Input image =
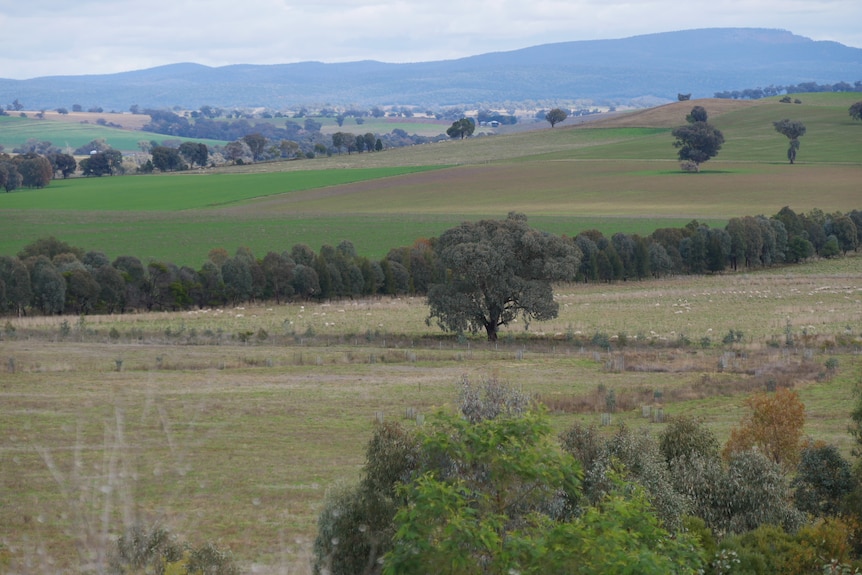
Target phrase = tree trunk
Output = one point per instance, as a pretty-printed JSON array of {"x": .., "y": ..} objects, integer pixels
[{"x": 491, "y": 330}]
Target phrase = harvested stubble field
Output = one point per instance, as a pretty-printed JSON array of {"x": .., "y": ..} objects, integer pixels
[{"x": 229, "y": 425}]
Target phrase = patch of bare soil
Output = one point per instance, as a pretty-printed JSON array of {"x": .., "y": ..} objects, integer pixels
[
  {"x": 128, "y": 121},
  {"x": 731, "y": 373},
  {"x": 668, "y": 116}
]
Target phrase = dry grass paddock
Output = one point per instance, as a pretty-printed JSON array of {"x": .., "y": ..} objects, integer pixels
[{"x": 229, "y": 425}]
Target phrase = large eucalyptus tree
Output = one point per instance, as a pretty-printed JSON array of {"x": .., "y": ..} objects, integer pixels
[{"x": 496, "y": 271}]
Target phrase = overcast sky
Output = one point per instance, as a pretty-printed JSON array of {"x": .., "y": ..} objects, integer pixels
[{"x": 71, "y": 37}]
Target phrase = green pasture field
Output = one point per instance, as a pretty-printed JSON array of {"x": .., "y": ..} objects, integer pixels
[
  {"x": 173, "y": 419},
  {"x": 184, "y": 191},
  {"x": 14, "y": 131},
  {"x": 229, "y": 425},
  {"x": 621, "y": 177},
  {"x": 185, "y": 238}
]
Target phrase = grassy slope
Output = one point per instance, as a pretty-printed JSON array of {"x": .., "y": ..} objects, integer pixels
[
  {"x": 177, "y": 192},
  {"x": 615, "y": 174},
  {"x": 237, "y": 443},
  {"x": 14, "y": 131}
]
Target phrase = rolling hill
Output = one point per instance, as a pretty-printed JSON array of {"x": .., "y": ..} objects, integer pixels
[
  {"x": 614, "y": 174},
  {"x": 650, "y": 68}
]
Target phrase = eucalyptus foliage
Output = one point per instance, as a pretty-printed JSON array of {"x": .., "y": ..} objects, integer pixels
[
  {"x": 748, "y": 492},
  {"x": 632, "y": 455},
  {"x": 498, "y": 508},
  {"x": 698, "y": 140},
  {"x": 823, "y": 479},
  {"x": 498, "y": 271},
  {"x": 686, "y": 437}
]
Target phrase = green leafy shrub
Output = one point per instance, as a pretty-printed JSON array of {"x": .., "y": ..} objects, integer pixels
[{"x": 823, "y": 479}]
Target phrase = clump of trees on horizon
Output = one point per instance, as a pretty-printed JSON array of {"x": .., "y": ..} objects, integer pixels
[{"x": 801, "y": 88}]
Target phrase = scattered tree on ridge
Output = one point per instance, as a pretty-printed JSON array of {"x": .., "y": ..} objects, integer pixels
[
  {"x": 793, "y": 130},
  {"x": 556, "y": 116},
  {"x": 698, "y": 141},
  {"x": 461, "y": 128},
  {"x": 697, "y": 114},
  {"x": 498, "y": 270}
]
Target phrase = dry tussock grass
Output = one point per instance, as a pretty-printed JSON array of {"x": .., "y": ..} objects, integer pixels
[
  {"x": 669, "y": 115},
  {"x": 127, "y": 121},
  {"x": 259, "y": 428},
  {"x": 721, "y": 374}
]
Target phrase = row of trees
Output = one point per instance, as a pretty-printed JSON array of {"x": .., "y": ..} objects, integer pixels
[
  {"x": 804, "y": 87},
  {"x": 489, "y": 491},
  {"x": 295, "y": 139},
  {"x": 30, "y": 170},
  {"x": 514, "y": 262}
]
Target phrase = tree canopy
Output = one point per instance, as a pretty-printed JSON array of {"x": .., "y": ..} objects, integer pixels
[
  {"x": 697, "y": 114},
  {"x": 774, "y": 426},
  {"x": 167, "y": 159},
  {"x": 461, "y": 128},
  {"x": 556, "y": 116},
  {"x": 856, "y": 111},
  {"x": 792, "y": 130},
  {"x": 697, "y": 141},
  {"x": 490, "y": 508},
  {"x": 496, "y": 271}
]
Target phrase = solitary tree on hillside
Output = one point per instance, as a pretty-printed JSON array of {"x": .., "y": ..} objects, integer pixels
[
  {"x": 498, "y": 270},
  {"x": 556, "y": 116},
  {"x": 461, "y": 128},
  {"x": 697, "y": 114},
  {"x": 856, "y": 111},
  {"x": 698, "y": 141},
  {"x": 793, "y": 130}
]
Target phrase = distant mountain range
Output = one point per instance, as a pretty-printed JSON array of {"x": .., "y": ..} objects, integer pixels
[{"x": 650, "y": 68}]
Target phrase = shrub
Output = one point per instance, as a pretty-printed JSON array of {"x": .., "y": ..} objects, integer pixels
[
  {"x": 823, "y": 479},
  {"x": 774, "y": 425},
  {"x": 153, "y": 549},
  {"x": 769, "y": 549},
  {"x": 749, "y": 492},
  {"x": 634, "y": 455},
  {"x": 687, "y": 436}
]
